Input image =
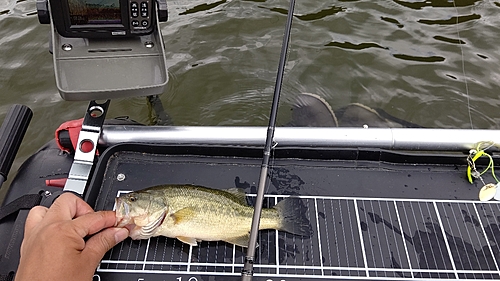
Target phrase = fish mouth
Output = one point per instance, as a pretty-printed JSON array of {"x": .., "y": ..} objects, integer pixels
[
  {"x": 123, "y": 219},
  {"x": 122, "y": 213}
]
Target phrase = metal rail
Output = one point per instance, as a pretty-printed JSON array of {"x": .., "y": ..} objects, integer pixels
[{"x": 385, "y": 138}]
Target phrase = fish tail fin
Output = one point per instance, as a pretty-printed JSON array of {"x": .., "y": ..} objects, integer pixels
[{"x": 292, "y": 216}]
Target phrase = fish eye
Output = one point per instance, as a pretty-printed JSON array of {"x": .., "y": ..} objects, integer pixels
[{"x": 132, "y": 198}]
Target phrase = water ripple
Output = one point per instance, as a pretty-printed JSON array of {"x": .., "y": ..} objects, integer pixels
[
  {"x": 410, "y": 58},
  {"x": 6, "y": 6}
]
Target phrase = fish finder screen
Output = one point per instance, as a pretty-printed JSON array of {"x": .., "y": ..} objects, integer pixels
[{"x": 84, "y": 12}]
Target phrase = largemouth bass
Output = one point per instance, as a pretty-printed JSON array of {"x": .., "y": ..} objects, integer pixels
[{"x": 194, "y": 213}]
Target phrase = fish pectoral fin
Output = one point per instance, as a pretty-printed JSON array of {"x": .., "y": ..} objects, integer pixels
[
  {"x": 182, "y": 215},
  {"x": 188, "y": 240},
  {"x": 241, "y": 241}
]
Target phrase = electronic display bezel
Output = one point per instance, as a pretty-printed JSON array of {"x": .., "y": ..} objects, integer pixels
[{"x": 61, "y": 15}]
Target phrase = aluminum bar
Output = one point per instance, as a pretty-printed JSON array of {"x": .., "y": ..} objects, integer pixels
[{"x": 385, "y": 138}]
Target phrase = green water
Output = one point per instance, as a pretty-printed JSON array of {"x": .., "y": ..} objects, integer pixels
[{"x": 434, "y": 63}]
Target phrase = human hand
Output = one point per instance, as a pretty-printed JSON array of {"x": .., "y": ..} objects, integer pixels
[{"x": 67, "y": 241}]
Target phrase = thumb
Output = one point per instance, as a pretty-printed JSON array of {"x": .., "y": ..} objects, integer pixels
[
  {"x": 97, "y": 245},
  {"x": 35, "y": 216}
]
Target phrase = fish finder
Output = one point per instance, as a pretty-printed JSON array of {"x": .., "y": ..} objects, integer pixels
[
  {"x": 106, "y": 49},
  {"x": 103, "y": 18}
]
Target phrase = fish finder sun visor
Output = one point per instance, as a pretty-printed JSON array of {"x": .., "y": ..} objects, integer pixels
[{"x": 105, "y": 49}]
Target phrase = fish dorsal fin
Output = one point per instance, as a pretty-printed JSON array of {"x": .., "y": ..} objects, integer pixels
[
  {"x": 188, "y": 240},
  {"x": 240, "y": 195},
  {"x": 183, "y": 215}
]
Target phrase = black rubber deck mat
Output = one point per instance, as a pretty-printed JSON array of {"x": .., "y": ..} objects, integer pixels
[{"x": 376, "y": 215}]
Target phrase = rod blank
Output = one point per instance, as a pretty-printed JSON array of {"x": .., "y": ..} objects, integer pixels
[{"x": 247, "y": 273}]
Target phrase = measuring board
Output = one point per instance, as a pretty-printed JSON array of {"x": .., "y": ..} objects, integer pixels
[{"x": 353, "y": 239}]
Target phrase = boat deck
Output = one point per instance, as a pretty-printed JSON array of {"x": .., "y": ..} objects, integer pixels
[{"x": 374, "y": 216}]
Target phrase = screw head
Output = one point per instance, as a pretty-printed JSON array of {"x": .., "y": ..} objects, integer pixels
[
  {"x": 67, "y": 47},
  {"x": 120, "y": 177}
]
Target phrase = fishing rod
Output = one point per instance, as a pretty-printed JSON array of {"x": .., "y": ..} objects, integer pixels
[{"x": 247, "y": 273}]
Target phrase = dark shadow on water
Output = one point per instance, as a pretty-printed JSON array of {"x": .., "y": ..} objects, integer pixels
[
  {"x": 394, "y": 21},
  {"x": 313, "y": 16},
  {"x": 279, "y": 10},
  {"x": 321, "y": 14},
  {"x": 362, "y": 46},
  {"x": 202, "y": 7},
  {"x": 420, "y": 59},
  {"x": 351, "y": 46},
  {"x": 448, "y": 40},
  {"x": 435, "y": 3},
  {"x": 452, "y": 20}
]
